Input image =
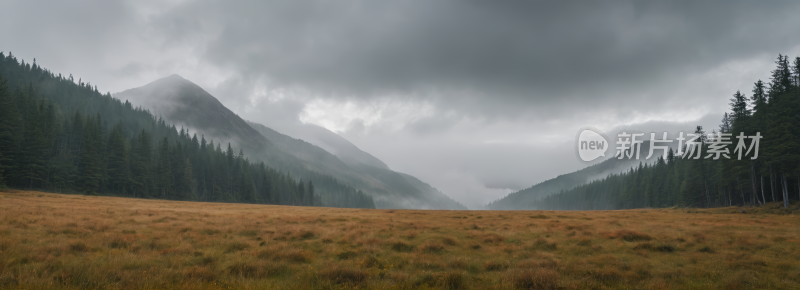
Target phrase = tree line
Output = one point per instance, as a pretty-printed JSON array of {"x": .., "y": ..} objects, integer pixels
[
  {"x": 47, "y": 142},
  {"x": 772, "y": 110}
]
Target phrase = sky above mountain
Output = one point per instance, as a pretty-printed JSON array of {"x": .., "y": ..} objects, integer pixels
[{"x": 477, "y": 98}]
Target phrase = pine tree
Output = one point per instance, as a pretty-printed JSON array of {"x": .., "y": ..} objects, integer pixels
[
  {"x": 90, "y": 174},
  {"x": 164, "y": 169},
  {"x": 310, "y": 194},
  {"x": 8, "y": 124},
  {"x": 117, "y": 168},
  {"x": 141, "y": 165}
]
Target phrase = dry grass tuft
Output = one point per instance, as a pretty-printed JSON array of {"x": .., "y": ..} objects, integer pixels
[
  {"x": 370, "y": 262},
  {"x": 453, "y": 280},
  {"x": 346, "y": 255},
  {"x": 494, "y": 266},
  {"x": 643, "y": 246},
  {"x": 203, "y": 274},
  {"x": 431, "y": 247},
  {"x": 628, "y": 235},
  {"x": 248, "y": 233},
  {"x": 535, "y": 279},
  {"x": 450, "y": 241},
  {"x": 78, "y": 247},
  {"x": 493, "y": 238},
  {"x": 706, "y": 249},
  {"x": 341, "y": 275},
  {"x": 235, "y": 247},
  {"x": 295, "y": 256},
  {"x": 666, "y": 248},
  {"x": 401, "y": 246},
  {"x": 546, "y": 245},
  {"x": 305, "y": 235}
]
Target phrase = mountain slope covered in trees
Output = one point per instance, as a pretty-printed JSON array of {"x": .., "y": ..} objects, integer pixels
[
  {"x": 62, "y": 135},
  {"x": 524, "y": 199},
  {"x": 772, "y": 111},
  {"x": 182, "y": 102}
]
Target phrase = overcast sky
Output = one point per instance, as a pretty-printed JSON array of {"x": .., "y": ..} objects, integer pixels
[{"x": 477, "y": 98}]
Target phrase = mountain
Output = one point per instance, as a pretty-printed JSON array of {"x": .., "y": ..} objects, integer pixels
[
  {"x": 417, "y": 194},
  {"x": 186, "y": 104},
  {"x": 335, "y": 144},
  {"x": 525, "y": 199}
]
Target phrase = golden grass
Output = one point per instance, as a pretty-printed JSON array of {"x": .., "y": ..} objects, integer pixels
[{"x": 86, "y": 242}]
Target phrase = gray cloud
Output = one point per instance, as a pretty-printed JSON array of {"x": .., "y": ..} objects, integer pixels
[{"x": 520, "y": 54}]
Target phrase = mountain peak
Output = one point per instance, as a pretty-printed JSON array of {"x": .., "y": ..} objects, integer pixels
[
  {"x": 175, "y": 76},
  {"x": 171, "y": 80}
]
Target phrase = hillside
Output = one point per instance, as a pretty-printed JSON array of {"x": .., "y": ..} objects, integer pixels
[
  {"x": 333, "y": 143},
  {"x": 525, "y": 199},
  {"x": 416, "y": 194},
  {"x": 64, "y": 136},
  {"x": 184, "y": 103}
]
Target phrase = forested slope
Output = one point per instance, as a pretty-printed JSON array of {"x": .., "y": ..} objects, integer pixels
[
  {"x": 772, "y": 111},
  {"x": 63, "y": 135}
]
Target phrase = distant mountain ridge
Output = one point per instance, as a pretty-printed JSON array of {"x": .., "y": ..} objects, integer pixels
[
  {"x": 525, "y": 199},
  {"x": 428, "y": 196},
  {"x": 184, "y": 103},
  {"x": 336, "y": 145}
]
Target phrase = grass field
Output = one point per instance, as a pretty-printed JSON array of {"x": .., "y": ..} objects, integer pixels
[{"x": 84, "y": 242}]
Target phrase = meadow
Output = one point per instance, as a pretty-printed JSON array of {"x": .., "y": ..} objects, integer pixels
[{"x": 61, "y": 241}]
